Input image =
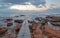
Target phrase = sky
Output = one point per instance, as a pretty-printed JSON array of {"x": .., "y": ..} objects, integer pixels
[
  {"x": 41, "y": 6},
  {"x": 29, "y": 4}
]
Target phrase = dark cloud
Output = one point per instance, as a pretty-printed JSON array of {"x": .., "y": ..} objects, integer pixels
[
  {"x": 33, "y": 2},
  {"x": 15, "y": 1},
  {"x": 38, "y": 2}
]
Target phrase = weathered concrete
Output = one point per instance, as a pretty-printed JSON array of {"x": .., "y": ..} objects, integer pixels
[{"x": 24, "y": 31}]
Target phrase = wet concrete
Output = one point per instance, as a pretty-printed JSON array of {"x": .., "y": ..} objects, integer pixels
[{"x": 24, "y": 32}]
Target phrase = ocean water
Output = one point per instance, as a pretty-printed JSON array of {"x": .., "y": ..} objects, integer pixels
[
  {"x": 5, "y": 13},
  {"x": 12, "y": 13}
]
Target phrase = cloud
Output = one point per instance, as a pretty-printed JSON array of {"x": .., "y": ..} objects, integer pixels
[
  {"x": 33, "y": 2},
  {"x": 5, "y": 5},
  {"x": 27, "y": 7},
  {"x": 9, "y": 12},
  {"x": 32, "y": 7},
  {"x": 38, "y": 2}
]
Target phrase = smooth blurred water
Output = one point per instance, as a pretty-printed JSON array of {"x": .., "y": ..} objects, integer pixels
[
  {"x": 29, "y": 14},
  {"x": 12, "y": 13}
]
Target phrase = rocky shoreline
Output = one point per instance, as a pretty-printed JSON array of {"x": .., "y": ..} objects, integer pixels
[{"x": 39, "y": 27}]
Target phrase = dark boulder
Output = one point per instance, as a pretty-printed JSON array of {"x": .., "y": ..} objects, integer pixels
[{"x": 18, "y": 21}]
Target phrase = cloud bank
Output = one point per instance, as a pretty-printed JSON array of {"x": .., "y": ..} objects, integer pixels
[{"x": 27, "y": 8}]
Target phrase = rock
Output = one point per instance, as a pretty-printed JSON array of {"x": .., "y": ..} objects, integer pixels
[
  {"x": 38, "y": 18},
  {"x": 3, "y": 30},
  {"x": 9, "y": 23},
  {"x": 55, "y": 23},
  {"x": 30, "y": 21},
  {"x": 9, "y": 36},
  {"x": 51, "y": 32},
  {"x": 22, "y": 15},
  {"x": 17, "y": 28},
  {"x": 34, "y": 26},
  {"x": 30, "y": 27},
  {"x": 37, "y": 33},
  {"x": 18, "y": 21},
  {"x": 16, "y": 16},
  {"x": 8, "y": 19},
  {"x": 53, "y": 18}
]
